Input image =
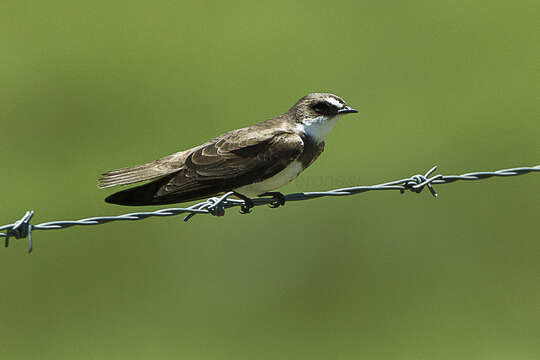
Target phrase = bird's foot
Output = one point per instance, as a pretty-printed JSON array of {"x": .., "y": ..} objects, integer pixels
[
  {"x": 245, "y": 208},
  {"x": 278, "y": 199}
]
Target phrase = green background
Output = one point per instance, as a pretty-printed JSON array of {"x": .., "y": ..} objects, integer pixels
[{"x": 91, "y": 86}]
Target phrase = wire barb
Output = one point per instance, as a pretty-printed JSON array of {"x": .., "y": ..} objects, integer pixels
[
  {"x": 417, "y": 182},
  {"x": 20, "y": 230},
  {"x": 217, "y": 206}
]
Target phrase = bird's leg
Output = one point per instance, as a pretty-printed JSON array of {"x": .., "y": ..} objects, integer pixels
[
  {"x": 248, "y": 203},
  {"x": 278, "y": 199}
]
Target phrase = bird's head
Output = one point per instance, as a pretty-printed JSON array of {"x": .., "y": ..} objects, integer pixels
[{"x": 316, "y": 113}]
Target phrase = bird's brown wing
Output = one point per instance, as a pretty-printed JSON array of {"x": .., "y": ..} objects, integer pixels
[
  {"x": 226, "y": 163},
  {"x": 153, "y": 170},
  {"x": 229, "y": 164}
]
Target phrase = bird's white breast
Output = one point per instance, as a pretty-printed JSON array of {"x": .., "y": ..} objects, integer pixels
[{"x": 272, "y": 183}]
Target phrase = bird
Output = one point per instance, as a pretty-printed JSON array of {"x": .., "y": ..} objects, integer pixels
[{"x": 251, "y": 161}]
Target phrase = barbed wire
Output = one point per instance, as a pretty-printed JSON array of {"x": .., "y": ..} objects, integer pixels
[{"x": 217, "y": 205}]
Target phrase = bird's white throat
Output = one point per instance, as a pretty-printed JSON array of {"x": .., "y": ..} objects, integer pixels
[{"x": 319, "y": 127}]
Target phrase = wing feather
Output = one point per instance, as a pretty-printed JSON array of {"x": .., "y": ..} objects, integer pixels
[
  {"x": 224, "y": 165},
  {"x": 149, "y": 171}
]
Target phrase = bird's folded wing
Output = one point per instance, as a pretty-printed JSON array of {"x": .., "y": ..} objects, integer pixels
[
  {"x": 231, "y": 162},
  {"x": 149, "y": 171}
]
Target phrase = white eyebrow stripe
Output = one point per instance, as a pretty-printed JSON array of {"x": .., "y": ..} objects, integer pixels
[{"x": 334, "y": 102}]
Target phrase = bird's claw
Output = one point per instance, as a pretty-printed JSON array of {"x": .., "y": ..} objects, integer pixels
[
  {"x": 278, "y": 199},
  {"x": 246, "y": 207}
]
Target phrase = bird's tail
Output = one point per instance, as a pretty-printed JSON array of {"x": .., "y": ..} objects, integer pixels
[
  {"x": 137, "y": 196},
  {"x": 149, "y": 194}
]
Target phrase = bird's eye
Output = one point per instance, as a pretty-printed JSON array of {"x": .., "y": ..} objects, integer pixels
[{"x": 322, "y": 107}]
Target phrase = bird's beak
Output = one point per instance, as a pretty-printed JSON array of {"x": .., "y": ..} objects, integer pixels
[{"x": 347, "y": 110}]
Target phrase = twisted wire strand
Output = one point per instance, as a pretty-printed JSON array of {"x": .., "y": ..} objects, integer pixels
[{"x": 216, "y": 206}]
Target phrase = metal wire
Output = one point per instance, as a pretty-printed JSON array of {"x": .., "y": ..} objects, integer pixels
[{"x": 217, "y": 205}]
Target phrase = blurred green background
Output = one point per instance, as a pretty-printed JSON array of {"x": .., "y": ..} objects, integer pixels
[{"x": 92, "y": 86}]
